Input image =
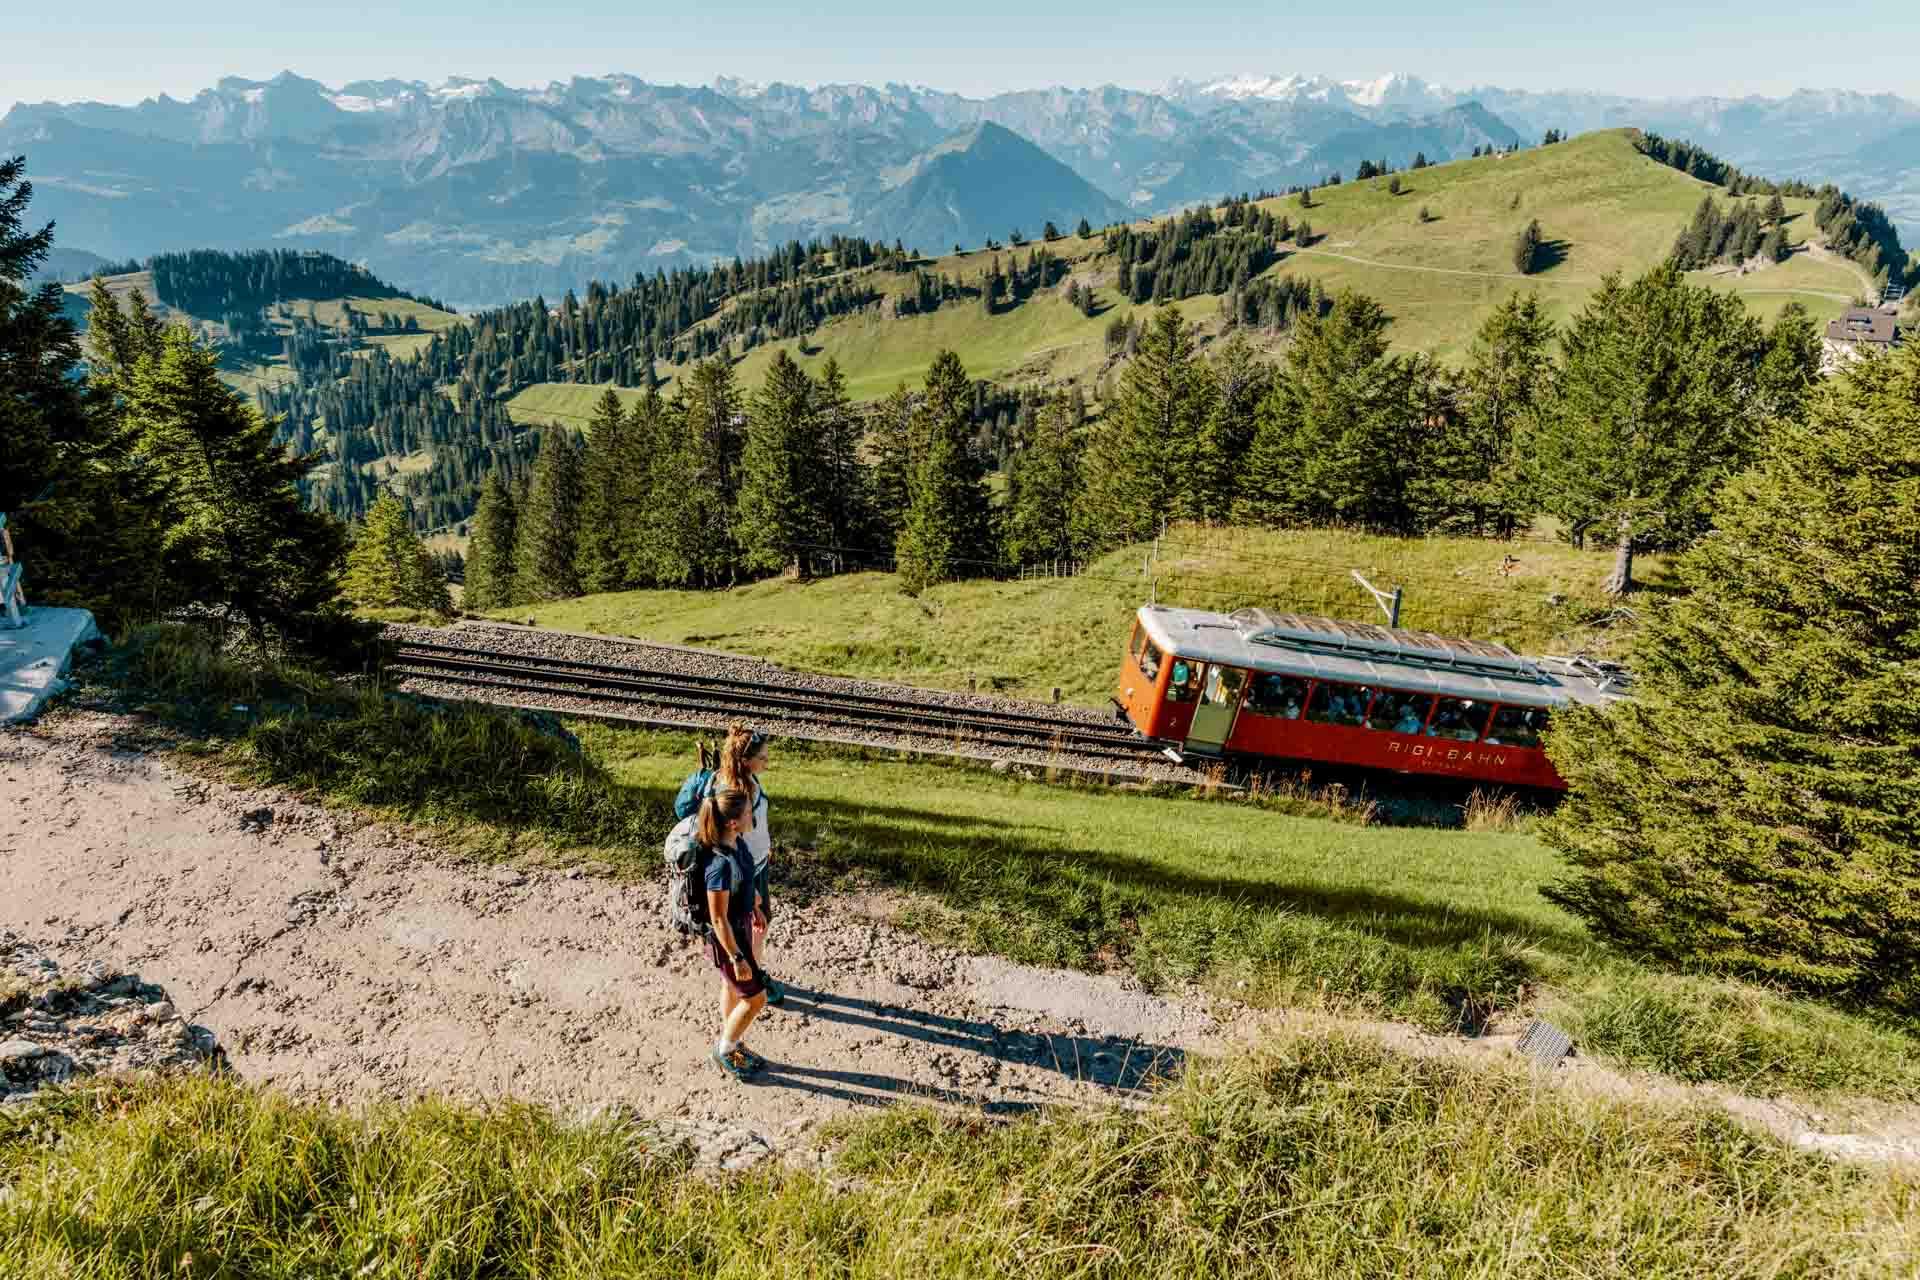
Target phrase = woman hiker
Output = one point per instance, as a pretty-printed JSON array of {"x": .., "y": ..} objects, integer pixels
[
  {"x": 743, "y": 757},
  {"x": 732, "y": 905}
]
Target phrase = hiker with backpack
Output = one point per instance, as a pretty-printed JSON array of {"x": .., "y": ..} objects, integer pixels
[
  {"x": 714, "y": 895},
  {"x": 737, "y": 764}
]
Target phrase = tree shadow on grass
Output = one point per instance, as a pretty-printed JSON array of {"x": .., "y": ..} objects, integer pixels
[
  {"x": 881, "y": 840},
  {"x": 1550, "y": 254}
]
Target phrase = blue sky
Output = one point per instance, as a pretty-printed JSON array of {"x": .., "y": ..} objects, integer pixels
[{"x": 125, "y": 50}]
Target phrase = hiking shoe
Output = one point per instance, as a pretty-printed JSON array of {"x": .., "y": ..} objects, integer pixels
[
  {"x": 737, "y": 1064},
  {"x": 755, "y": 1062},
  {"x": 776, "y": 994}
]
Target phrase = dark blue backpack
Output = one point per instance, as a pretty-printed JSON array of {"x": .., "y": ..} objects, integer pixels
[{"x": 692, "y": 792}]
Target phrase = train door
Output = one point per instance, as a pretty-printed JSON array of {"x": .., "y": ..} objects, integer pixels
[{"x": 1220, "y": 690}]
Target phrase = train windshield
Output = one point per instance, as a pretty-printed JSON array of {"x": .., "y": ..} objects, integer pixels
[
  {"x": 1400, "y": 712},
  {"x": 1149, "y": 660},
  {"x": 1517, "y": 726},
  {"x": 1272, "y": 694}
]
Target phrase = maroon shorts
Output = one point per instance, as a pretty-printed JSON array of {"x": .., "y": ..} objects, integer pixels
[{"x": 756, "y": 981}]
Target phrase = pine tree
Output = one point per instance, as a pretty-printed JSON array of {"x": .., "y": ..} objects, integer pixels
[
  {"x": 1049, "y": 233},
  {"x": 243, "y": 542},
  {"x": 703, "y": 469},
  {"x": 1526, "y": 248},
  {"x": 1340, "y": 435},
  {"x": 1656, "y": 404},
  {"x": 1776, "y": 210},
  {"x": 1240, "y": 381},
  {"x": 548, "y": 542},
  {"x": 1753, "y": 807},
  {"x": 85, "y": 516},
  {"x": 1043, "y": 484},
  {"x": 607, "y": 510},
  {"x": 1084, "y": 230},
  {"x": 897, "y": 453},
  {"x": 1393, "y": 185},
  {"x": 777, "y": 516},
  {"x": 388, "y": 568},
  {"x": 1140, "y": 463},
  {"x": 1507, "y": 382},
  {"x": 839, "y": 483},
  {"x": 949, "y": 526},
  {"x": 491, "y": 552},
  {"x": 1774, "y": 248}
]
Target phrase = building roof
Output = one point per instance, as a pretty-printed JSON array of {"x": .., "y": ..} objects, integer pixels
[
  {"x": 1859, "y": 324},
  {"x": 1359, "y": 653}
]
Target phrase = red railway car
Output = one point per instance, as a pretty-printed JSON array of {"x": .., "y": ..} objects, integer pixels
[{"x": 1255, "y": 683}]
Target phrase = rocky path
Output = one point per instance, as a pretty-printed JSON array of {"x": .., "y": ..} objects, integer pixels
[{"x": 343, "y": 960}]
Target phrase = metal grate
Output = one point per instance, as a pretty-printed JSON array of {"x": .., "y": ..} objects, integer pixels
[{"x": 1545, "y": 1043}]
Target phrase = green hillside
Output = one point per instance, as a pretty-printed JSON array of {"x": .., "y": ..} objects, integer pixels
[{"x": 1602, "y": 205}]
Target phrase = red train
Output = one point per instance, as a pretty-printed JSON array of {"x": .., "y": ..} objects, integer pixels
[{"x": 1283, "y": 685}]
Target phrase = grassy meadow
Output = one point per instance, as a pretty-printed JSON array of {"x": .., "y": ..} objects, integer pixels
[{"x": 1029, "y": 637}]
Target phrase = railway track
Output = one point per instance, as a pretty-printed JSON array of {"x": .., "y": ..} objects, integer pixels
[{"x": 636, "y": 692}]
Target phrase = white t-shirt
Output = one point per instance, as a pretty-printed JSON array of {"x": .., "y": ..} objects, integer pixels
[{"x": 759, "y": 839}]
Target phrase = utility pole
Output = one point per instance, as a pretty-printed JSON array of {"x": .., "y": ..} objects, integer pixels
[{"x": 1389, "y": 601}]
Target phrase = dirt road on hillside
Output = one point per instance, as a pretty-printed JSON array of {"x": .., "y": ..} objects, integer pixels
[{"x": 345, "y": 961}]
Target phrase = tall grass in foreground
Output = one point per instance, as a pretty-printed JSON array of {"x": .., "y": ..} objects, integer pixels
[{"x": 1312, "y": 1157}]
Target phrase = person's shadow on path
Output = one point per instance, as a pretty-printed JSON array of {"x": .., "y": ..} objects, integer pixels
[{"x": 1115, "y": 1065}]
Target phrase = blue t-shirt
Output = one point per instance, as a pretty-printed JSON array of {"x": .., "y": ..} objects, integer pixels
[{"x": 730, "y": 871}]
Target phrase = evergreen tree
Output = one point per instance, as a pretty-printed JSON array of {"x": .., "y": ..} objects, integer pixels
[
  {"x": 1657, "y": 403},
  {"x": 1752, "y": 808},
  {"x": 241, "y": 539},
  {"x": 948, "y": 531},
  {"x": 1240, "y": 381},
  {"x": 1776, "y": 210},
  {"x": 1508, "y": 381},
  {"x": 777, "y": 515},
  {"x": 839, "y": 481},
  {"x": 1043, "y": 484},
  {"x": 547, "y": 547},
  {"x": 608, "y": 510},
  {"x": 1774, "y": 248},
  {"x": 86, "y": 518},
  {"x": 1526, "y": 248},
  {"x": 897, "y": 453},
  {"x": 701, "y": 468},
  {"x": 492, "y": 550},
  {"x": 1393, "y": 185},
  {"x": 1140, "y": 462},
  {"x": 1419, "y": 160},
  {"x": 1049, "y": 233},
  {"x": 1341, "y": 435},
  {"x": 1084, "y": 230},
  {"x": 388, "y": 568}
]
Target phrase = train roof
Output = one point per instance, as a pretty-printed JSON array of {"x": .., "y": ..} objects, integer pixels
[{"x": 1361, "y": 653}]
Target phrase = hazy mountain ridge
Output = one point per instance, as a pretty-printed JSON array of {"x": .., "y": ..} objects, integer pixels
[{"x": 476, "y": 191}]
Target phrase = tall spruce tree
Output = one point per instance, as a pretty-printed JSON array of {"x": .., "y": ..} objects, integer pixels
[
  {"x": 1507, "y": 382},
  {"x": 1240, "y": 381},
  {"x": 388, "y": 568},
  {"x": 86, "y": 518},
  {"x": 714, "y": 435},
  {"x": 897, "y": 452},
  {"x": 1343, "y": 434},
  {"x": 1526, "y": 248},
  {"x": 1043, "y": 484},
  {"x": 839, "y": 483},
  {"x": 949, "y": 527},
  {"x": 609, "y": 510},
  {"x": 548, "y": 543},
  {"x": 1140, "y": 467},
  {"x": 1755, "y": 807},
  {"x": 778, "y": 517},
  {"x": 243, "y": 542},
  {"x": 492, "y": 550},
  {"x": 1657, "y": 403}
]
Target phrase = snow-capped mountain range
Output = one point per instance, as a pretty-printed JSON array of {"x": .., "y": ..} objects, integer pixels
[{"x": 475, "y": 190}]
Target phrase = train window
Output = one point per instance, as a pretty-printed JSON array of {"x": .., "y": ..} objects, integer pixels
[
  {"x": 1400, "y": 712},
  {"x": 1137, "y": 645},
  {"x": 1150, "y": 662},
  {"x": 1461, "y": 719},
  {"x": 1184, "y": 684},
  {"x": 1277, "y": 695},
  {"x": 1223, "y": 686},
  {"x": 1338, "y": 703},
  {"x": 1517, "y": 726}
]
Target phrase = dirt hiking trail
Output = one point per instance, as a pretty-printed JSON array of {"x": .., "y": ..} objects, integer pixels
[
  {"x": 343, "y": 960},
  {"x": 340, "y": 959}
]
